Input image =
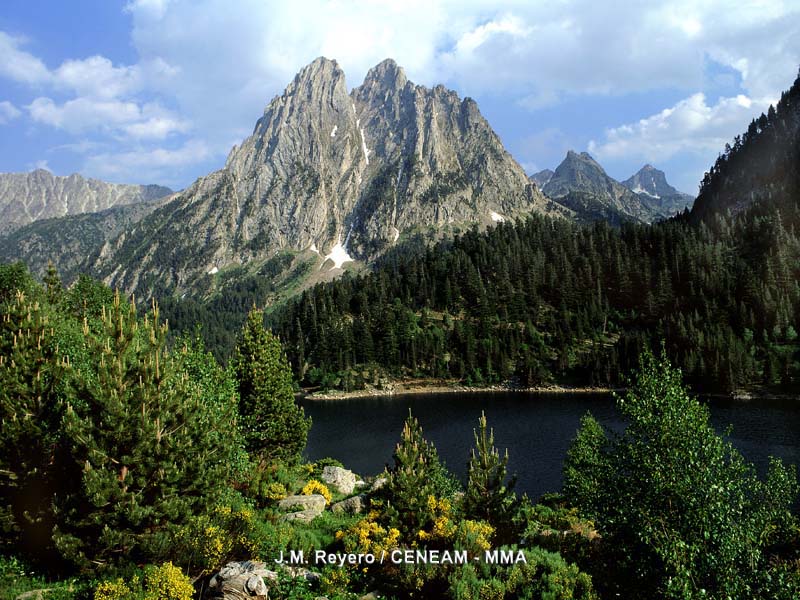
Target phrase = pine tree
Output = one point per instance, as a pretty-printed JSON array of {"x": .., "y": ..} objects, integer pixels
[
  {"x": 416, "y": 475},
  {"x": 274, "y": 426},
  {"x": 488, "y": 497},
  {"x": 150, "y": 446}
]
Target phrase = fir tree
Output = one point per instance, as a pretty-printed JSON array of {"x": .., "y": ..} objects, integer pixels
[{"x": 416, "y": 475}]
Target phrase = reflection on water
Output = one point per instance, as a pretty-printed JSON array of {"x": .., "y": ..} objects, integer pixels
[{"x": 536, "y": 428}]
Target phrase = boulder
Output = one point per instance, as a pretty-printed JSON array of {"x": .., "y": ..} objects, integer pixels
[
  {"x": 354, "y": 505},
  {"x": 240, "y": 581},
  {"x": 378, "y": 483},
  {"x": 315, "y": 502},
  {"x": 305, "y": 516},
  {"x": 342, "y": 479}
]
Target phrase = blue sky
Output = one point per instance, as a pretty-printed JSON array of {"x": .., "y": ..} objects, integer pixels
[{"x": 157, "y": 91}]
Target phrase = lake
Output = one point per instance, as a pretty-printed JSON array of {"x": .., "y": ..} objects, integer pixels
[{"x": 537, "y": 429}]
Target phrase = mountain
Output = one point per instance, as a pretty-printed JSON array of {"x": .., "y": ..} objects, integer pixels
[
  {"x": 28, "y": 197},
  {"x": 582, "y": 185},
  {"x": 542, "y": 177},
  {"x": 760, "y": 167},
  {"x": 71, "y": 241},
  {"x": 652, "y": 188},
  {"x": 337, "y": 176}
]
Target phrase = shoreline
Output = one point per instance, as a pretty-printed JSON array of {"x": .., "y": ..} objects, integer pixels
[{"x": 412, "y": 388}]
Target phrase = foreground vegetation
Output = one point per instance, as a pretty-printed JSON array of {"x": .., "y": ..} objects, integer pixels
[{"x": 131, "y": 468}]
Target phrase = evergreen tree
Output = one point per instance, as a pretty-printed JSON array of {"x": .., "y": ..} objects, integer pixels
[
  {"x": 416, "y": 475},
  {"x": 273, "y": 425},
  {"x": 151, "y": 446},
  {"x": 487, "y": 496}
]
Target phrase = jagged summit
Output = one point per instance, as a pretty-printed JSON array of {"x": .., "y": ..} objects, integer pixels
[
  {"x": 652, "y": 187},
  {"x": 342, "y": 174},
  {"x": 29, "y": 197},
  {"x": 581, "y": 183}
]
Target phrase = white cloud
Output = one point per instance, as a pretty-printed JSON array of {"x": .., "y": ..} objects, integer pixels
[
  {"x": 96, "y": 76},
  {"x": 148, "y": 165},
  {"x": 19, "y": 65},
  {"x": 8, "y": 112},
  {"x": 117, "y": 117},
  {"x": 690, "y": 126}
]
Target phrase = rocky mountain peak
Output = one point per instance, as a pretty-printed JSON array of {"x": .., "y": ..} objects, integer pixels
[
  {"x": 341, "y": 175},
  {"x": 652, "y": 181},
  {"x": 29, "y": 197},
  {"x": 651, "y": 185},
  {"x": 581, "y": 183},
  {"x": 386, "y": 74}
]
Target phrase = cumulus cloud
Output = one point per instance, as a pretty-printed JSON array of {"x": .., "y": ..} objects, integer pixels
[
  {"x": 690, "y": 126},
  {"x": 126, "y": 118},
  {"x": 160, "y": 164},
  {"x": 8, "y": 112},
  {"x": 216, "y": 64},
  {"x": 19, "y": 65}
]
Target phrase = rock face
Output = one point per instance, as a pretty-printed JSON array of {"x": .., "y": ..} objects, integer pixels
[
  {"x": 342, "y": 479},
  {"x": 581, "y": 184},
  {"x": 344, "y": 175},
  {"x": 29, "y": 197},
  {"x": 651, "y": 186},
  {"x": 542, "y": 177},
  {"x": 72, "y": 241}
]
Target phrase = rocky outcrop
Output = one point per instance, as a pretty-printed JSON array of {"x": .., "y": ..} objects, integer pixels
[
  {"x": 240, "y": 581},
  {"x": 29, "y": 197},
  {"x": 542, "y": 177},
  {"x": 341, "y": 175},
  {"x": 341, "y": 479},
  {"x": 249, "y": 580}
]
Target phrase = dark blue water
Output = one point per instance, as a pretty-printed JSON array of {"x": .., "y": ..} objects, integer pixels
[{"x": 536, "y": 428}]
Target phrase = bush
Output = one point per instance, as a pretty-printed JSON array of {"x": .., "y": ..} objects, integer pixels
[
  {"x": 164, "y": 582},
  {"x": 317, "y": 487}
]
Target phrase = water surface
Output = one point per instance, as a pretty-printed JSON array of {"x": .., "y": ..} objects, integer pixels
[{"x": 536, "y": 428}]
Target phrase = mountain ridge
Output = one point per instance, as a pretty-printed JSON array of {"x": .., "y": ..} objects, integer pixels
[
  {"x": 38, "y": 194},
  {"x": 343, "y": 175}
]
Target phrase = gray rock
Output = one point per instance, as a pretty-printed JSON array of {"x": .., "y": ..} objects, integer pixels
[
  {"x": 33, "y": 594},
  {"x": 240, "y": 581},
  {"x": 325, "y": 169},
  {"x": 378, "y": 483},
  {"x": 313, "y": 502},
  {"x": 342, "y": 479},
  {"x": 354, "y": 505},
  {"x": 29, "y": 197},
  {"x": 306, "y": 516}
]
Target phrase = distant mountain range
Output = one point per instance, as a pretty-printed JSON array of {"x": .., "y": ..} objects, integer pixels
[
  {"x": 328, "y": 178},
  {"x": 29, "y": 197},
  {"x": 581, "y": 184}
]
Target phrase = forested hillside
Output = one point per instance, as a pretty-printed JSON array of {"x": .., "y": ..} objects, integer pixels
[
  {"x": 549, "y": 301},
  {"x": 761, "y": 166}
]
